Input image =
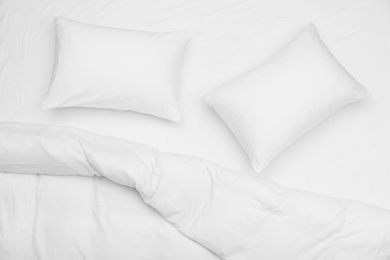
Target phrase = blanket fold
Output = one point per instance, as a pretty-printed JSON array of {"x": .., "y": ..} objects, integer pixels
[{"x": 234, "y": 215}]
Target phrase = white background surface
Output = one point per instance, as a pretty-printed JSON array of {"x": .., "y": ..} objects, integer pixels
[{"x": 346, "y": 156}]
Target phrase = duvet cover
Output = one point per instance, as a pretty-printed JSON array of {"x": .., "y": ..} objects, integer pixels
[{"x": 210, "y": 212}]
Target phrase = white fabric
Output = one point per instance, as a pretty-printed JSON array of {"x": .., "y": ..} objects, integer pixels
[
  {"x": 234, "y": 215},
  {"x": 103, "y": 67},
  {"x": 345, "y": 156},
  {"x": 272, "y": 105}
]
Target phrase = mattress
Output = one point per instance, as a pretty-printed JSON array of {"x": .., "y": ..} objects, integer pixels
[{"x": 346, "y": 156}]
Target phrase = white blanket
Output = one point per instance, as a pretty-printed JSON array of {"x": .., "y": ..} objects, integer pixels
[{"x": 236, "y": 216}]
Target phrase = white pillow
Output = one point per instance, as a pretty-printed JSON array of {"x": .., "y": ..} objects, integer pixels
[
  {"x": 118, "y": 69},
  {"x": 272, "y": 105}
]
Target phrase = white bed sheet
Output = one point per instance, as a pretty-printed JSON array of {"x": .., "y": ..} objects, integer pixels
[{"x": 346, "y": 156}]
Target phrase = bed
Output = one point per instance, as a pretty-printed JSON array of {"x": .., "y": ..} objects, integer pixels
[{"x": 345, "y": 156}]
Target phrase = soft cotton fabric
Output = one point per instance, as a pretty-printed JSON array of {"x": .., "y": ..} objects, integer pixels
[
  {"x": 272, "y": 105},
  {"x": 102, "y": 67},
  {"x": 227, "y": 38},
  {"x": 234, "y": 215}
]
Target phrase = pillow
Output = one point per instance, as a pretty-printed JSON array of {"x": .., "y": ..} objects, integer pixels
[
  {"x": 272, "y": 105},
  {"x": 104, "y": 67}
]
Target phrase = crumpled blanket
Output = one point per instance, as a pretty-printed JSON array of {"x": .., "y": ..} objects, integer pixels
[{"x": 234, "y": 215}]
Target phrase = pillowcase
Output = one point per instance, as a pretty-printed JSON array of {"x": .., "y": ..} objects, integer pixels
[
  {"x": 120, "y": 69},
  {"x": 272, "y": 105}
]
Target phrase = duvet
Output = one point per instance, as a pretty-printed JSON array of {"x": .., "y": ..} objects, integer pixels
[{"x": 231, "y": 214}]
